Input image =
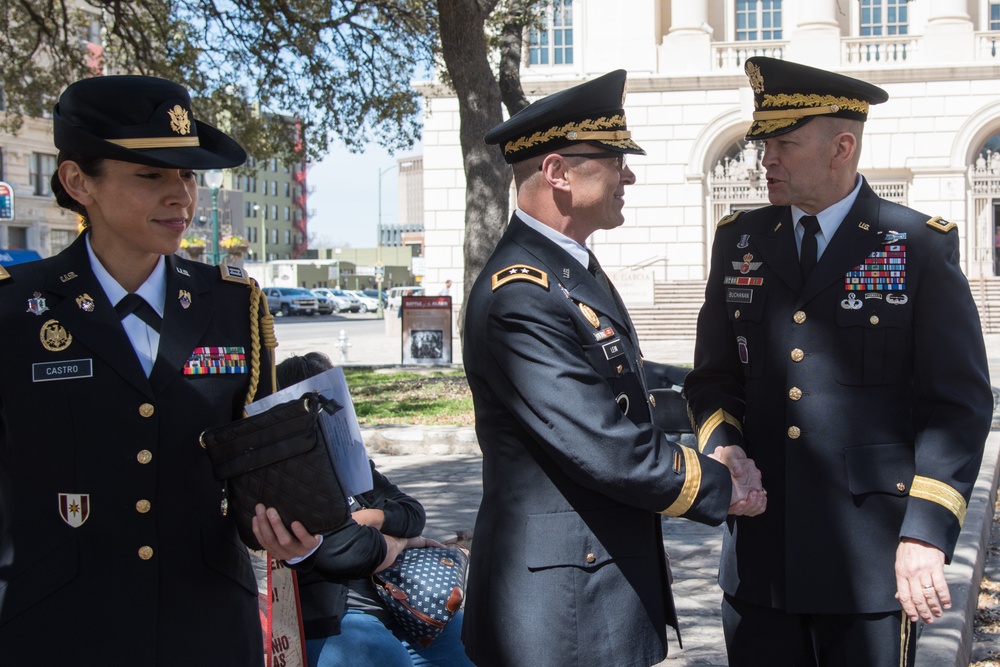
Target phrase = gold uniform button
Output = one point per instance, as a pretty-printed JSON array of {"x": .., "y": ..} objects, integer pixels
[
  {"x": 798, "y": 355},
  {"x": 901, "y": 487},
  {"x": 142, "y": 506},
  {"x": 873, "y": 319},
  {"x": 145, "y": 553},
  {"x": 795, "y": 393},
  {"x": 619, "y": 369},
  {"x": 799, "y": 317},
  {"x": 146, "y": 410},
  {"x": 144, "y": 456},
  {"x": 736, "y": 315},
  {"x": 652, "y": 400},
  {"x": 591, "y": 558},
  {"x": 794, "y": 432}
]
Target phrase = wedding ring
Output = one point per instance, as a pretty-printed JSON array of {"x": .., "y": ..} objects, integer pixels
[{"x": 928, "y": 587}]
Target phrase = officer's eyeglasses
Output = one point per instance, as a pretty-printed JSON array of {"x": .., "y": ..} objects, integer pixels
[{"x": 619, "y": 157}]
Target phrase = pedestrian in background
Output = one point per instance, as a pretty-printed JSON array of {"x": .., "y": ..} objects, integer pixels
[
  {"x": 344, "y": 619},
  {"x": 117, "y": 354},
  {"x": 446, "y": 290},
  {"x": 840, "y": 347},
  {"x": 569, "y": 565}
]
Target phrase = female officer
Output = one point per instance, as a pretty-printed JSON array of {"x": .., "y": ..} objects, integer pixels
[{"x": 116, "y": 354}]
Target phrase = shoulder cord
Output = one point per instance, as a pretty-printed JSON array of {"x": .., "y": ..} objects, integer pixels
[{"x": 260, "y": 327}]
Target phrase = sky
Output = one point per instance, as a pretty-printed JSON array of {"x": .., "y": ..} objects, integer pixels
[{"x": 343, "y": 196}]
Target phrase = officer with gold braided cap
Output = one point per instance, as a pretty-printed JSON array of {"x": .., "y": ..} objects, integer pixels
[
  {"x": 840, "y": 347},
  {"x": 569, "y": 567}
]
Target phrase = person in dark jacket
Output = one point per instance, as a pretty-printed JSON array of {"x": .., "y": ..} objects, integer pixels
[
  {"x": 115, "y": 548},
  {"x": 840, "y": 347},
  {"x": 344, "y": 620},
  {"x": 569, "y": 565}
]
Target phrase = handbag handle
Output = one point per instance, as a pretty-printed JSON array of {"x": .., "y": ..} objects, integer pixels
[{"x": 260, "y": 328}]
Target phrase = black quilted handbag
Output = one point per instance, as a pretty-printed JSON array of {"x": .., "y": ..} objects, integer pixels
[
  {"x": 280, "y": 458},
  {"x": 423, "y": 590}
]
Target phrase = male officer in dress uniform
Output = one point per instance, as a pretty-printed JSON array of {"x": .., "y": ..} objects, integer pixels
[
  {"x": 569, "y": 566},
  {"x": 858, "y": 383}
]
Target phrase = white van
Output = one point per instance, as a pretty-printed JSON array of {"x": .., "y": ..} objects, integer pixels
[{"x": 396, "y": 294}]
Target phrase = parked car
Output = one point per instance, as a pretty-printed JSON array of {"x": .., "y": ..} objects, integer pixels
[
  {"x": 327, "y": 303},
  {"x": 368, "y": 303},
  {"x": 340, "y": 304},
  {"x": 373, "y": 293},
  {"x": 396, "y": 294},
  {"x": 354, "y": 304},
  {"x": 291, "y": 301}
]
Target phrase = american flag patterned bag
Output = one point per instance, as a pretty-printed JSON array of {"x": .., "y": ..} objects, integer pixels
[{"x": 423, "y": 590}]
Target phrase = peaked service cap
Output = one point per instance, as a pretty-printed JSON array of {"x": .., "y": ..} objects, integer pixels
[
  {"x": 788, "y": 95},
  {"x": 591, "y": 112},
  {"x": 140, "y": 119}
]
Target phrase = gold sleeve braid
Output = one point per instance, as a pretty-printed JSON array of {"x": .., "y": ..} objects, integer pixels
[{"x": 261, "y": 330}]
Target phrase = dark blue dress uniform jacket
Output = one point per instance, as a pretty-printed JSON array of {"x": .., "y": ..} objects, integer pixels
[
  {"x": 865, "y": 410},
  {"x": 155, "y": 575},
  {"x": 568, "y": 565}
]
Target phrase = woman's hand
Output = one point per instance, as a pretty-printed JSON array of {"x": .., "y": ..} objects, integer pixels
[{"x": 270, "y": 531}]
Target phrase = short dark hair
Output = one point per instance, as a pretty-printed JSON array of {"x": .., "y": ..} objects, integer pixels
[
  {"x": 296, "y": 369},
  {"x": 91, "y": 166}
]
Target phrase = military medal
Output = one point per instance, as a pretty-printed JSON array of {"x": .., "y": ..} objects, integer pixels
[
  {"x": 591, "y": 316},
  {"x": 747, "y": 265},
  {"x": 36, "y": 304},
  {"x": 185, "y": 298},
  {"x": 86, "y": 302},
  {"x": 54, "y": 336}
]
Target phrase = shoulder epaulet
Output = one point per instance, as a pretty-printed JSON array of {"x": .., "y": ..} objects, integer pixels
[
  {"x": 937, "y": 224},
  {"x": 729, "y": 218},
  {"x": 3, "y": 274},
  {"x": 234, "y": 274},
  {"x": 519, "y": 272}
]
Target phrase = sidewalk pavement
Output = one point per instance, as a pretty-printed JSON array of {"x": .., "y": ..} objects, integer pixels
[{"x": 442, "y": 468}]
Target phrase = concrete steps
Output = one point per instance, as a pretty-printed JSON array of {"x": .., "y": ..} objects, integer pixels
[{"x": 675, "y": 313}]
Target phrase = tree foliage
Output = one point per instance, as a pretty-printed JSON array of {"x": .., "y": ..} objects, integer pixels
[{"x": 271, "y": 71}]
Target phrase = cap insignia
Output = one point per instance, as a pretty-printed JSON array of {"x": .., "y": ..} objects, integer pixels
[
  {"x": 756, "y": 79},
  {"x": 180, "y": 122}
]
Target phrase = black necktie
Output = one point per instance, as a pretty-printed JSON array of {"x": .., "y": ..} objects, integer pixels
[
  {"x": 808, "y": 256},
  {"x": 135, "y": 304},
  {"x": 595, "y": 268}
]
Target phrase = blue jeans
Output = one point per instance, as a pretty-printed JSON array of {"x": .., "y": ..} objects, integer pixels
[{"x": 364, "y": 640}]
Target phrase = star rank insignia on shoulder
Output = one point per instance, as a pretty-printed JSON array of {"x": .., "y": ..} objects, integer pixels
[
  {"x": 519, "y": 273},
  {"x": 730, "y": 218},
  {"x": 3, "y": 274},
  {"x": 937, "y": 224},
  {"x": 234, "y": 274}
]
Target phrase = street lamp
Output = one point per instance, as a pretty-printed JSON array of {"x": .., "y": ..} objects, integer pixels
[
  {"x": 213, "y": 179},
  {"x": 379, "y": 272}
]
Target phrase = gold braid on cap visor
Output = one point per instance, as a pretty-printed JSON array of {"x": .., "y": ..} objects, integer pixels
[
  {"x": 155, "y": 142},
  {"x": 585, "y": 130},
  {"x": 794, "y": 107}
]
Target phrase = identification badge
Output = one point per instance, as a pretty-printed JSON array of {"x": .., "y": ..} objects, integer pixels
[
  {"x": 613, "y": 349},
  {"x": 734, "y": 295},
  {"x": 71, "y": 369}
]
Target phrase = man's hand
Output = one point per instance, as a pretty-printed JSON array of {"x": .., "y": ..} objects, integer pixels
[
  {"x": 920, "y": 584},
  {"x": 749, "y": 497},
  {"x": 273, "y": 536},
  {"x": 369, "y": 517}
]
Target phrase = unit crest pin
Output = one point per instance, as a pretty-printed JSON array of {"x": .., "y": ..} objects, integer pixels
[
  {"x": 185, "y": 298},
  {"x": 86, "y": 302},
  {"x": 36, "y": 304}
]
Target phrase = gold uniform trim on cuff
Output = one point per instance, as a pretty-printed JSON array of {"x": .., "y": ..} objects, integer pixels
[
  {"x": 155, "y": 142},
  {"x": 938, "y": 492},
  {"x": 692, "y": 484},
  {"x": 718, "y": 417}
]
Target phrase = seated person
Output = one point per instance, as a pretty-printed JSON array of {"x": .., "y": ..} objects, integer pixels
[{"x": 344, "y": 619}]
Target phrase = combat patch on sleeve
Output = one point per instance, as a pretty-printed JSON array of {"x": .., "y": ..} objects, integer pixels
[
  {"x": 234, "y": 274},
  {"x": 3, "y": 274},
  {"x": 730, "y": 218},
  {"x": 940, "y": 225},
  {"x": 519, "y": 272}
]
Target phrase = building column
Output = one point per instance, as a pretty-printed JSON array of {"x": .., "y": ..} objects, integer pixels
[
  {"x": 815, "y": 40},
  {"x": 948, "y": 35},
  {"x": 687, "y": 46}
]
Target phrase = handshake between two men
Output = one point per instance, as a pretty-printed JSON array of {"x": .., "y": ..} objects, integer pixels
[{"x": 749, "y": 496}]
